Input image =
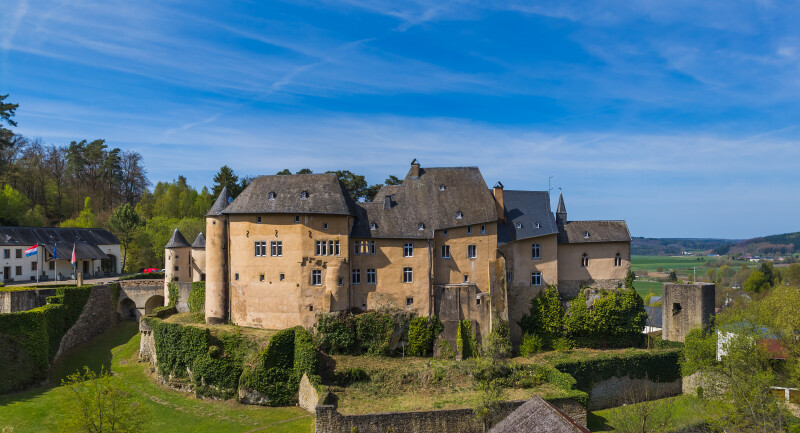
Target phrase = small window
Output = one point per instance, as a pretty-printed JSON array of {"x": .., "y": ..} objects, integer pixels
[
  {"x": 459, "y": 215},
  {"x": 442, "y": 187},
  {"x": 321, "y": 248},
  {"x": 536, "y": 278},
  {"x": 276, "y": 248},
  {"x": 356, "y": 276},
  {"x": 310, "y": 308},
  {"x": 536, "y": 225},
  {"x": 336, "y": 248},
  {"x": 33, "y": 266},
  {"x": 444, "y": 232},
  {"x": 373, "y": 226},
  {"x": 469, "y": 230},
  {"x": 271, "y": 195},
  {"x": 52, "y": 266},
  {"x": 408, "y": 250},
  {"x": 371, "y": 247},
  {"x": 409, "y": 302},
  {"x": 297, "y": 218},
  {"x": 585, "y": 260},
  {"x": 341, "y": 281},
  {"x": 261, "y": 277},
  {"x": 510, "y": 276},
  {"x": 536, "y": 251},
  {"x": 477, "y": 300},
  {"x": 421, "y": 226},
  {"x": 236, "y": 276},
  {"x": 408, "y": 275},
  {"x": 6, "y": 254},
  {"x": 19, "y": 253},
  {"x": 372, "y": 276},
  {"x": 586, "y": 234},
  {"x": 466, "y": 278},
  {"x": 316, "y": 277},
  {"x": 176, "y": 269},
  {"x": 19, "y": 269},
  {"x": 519, "y": 225},
  {"x": 175, "y": 279},
  {"x": 261, "y": 248},
  {"x": 618, "y": 260},
  {"x": 282, "y": 277},
  {"x": 304, "y": 195},
  {"x": 325, "y": 226},
  {"x": 445, "y": 251},
  {"x": 258, "y": 220},
  {"x": 483, "y": 230},
  {"x": 472, "y": 251}
]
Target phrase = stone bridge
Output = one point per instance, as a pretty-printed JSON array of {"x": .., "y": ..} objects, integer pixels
[{"x": 139, "y": 297}]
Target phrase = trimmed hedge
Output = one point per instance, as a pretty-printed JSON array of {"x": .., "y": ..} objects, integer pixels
[
  {"x": 29, "y": 340},
  {"x": 422, "y": 332},
  {"x": 177, "y": 346},
  {"x": 658, "y": 366},
  {"x": 197, "y": 299}
]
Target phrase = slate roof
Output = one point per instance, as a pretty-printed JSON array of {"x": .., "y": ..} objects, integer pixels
[
  {"x": 199, "y": 241},
  {"x": 222, "y": 201},
  {"x": 421, "y": 200},
  {"x": 526, "y": 208},
  {"x": 28, "y": 236},
  {"x": 177, "y": 241},
  {"x": 83, "y": 251},
  {"x": 326, "y": 195},
  {"x": 574, "y": 232},
  {"x": 537, "y": 415},
  {"x": 654, "y": 318}
]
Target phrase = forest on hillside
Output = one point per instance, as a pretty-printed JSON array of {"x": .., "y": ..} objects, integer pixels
[{"x": 89, "y": 183}]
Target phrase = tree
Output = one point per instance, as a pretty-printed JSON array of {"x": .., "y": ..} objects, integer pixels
[
  {"x": 768, "y": 271},
  {"x": 86, "y": 219},
  {"x": 284, "y": 172},
  {"x": 304, "y": 171},
  {"x": 393, "y": 180},
  {"x": 100, "y": 403},
  {"x": 225, "y": 178},
  {"x": 354, "y": 184},
  {"x": 673, "y": 277},
  {"x": 7, "y": 111},
  {"x": 629, "y": 278},
  {"x": 12, "y": 206},
  {"x": 124, "y": 222},
  {"x": 756, "y": 283},
  {"x": 545, "y": 318}
]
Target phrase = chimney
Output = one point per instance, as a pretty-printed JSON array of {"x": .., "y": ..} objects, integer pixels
[
  {"x": 387, "y": 202},
  {"x": 497, "y": 191},
  {"x": 414, "y": 174}
]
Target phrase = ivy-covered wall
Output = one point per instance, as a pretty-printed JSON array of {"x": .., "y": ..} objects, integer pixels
[
  {"x": 372, "y": 333},
  {"x": 658, "y": 366}
]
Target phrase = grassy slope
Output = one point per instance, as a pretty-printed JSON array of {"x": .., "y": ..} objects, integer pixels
[{"x": 37, "y": 409}]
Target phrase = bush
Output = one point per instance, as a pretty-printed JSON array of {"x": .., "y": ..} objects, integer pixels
[
  {"x": 658, "y": 366},
  {"x": 173, "y": 292},
  {"x": 178, "y": 346},
  {"x": 336, "y": 333},
  {"x": 616, "y": 319},
  {"x": 446, "y": 350},
  {"x": 422, "y": 332},
  {"x": 163, "y": 312},
  {"x": 350, "y": 376},
  {"x": 498, "y": 343},
  {"x": 531, "y": 345},
  {"x": 371, "y": 332},
  {"x": 465, "y": 340},
  {"x": 546, "y": 317},
  {"x": 150, "y": 276},
  {"x": 562, "y": 344},
  {"x": 374, "y": 331},
  {"x": 197, "y": 298}
]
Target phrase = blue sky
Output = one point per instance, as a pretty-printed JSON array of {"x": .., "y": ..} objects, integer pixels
[{"x": 680, "y": 117}]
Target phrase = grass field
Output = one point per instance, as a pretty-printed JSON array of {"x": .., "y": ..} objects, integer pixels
[
  {"x": 652, "y": 263},
  {"x": 684, "y": 411},
  {"x": 645, "y": 287},
  {"x": 36, "y": 410}
]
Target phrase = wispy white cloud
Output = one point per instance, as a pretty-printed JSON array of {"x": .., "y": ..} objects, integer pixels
[{"x": 12, "y": 22}]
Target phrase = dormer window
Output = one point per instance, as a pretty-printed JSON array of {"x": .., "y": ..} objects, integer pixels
[
  {"x": 519, "y": 225},
  {"x": 586, "y": 234},
  {"x": 442, "y": 187},
  {"x": 459, "y": 215},
  {"x": 304, "y": 195},
  {"x": 271, "y": 195},
  {"x": 421, "y": 226},
  {"x": 536, "y": 225},
  {"x": 373, "y": 226}
]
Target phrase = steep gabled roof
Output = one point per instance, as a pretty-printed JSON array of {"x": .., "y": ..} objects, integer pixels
[
  {"x": 222, "y": 202},
  {"x": 199, "y": 241},
  {"x": 28, "y": 236},
  {"x": 325, "y": 195},
  {"x": 575, "y": 232},
  {"x": 421, "y": 200},
  {"x": 561, "y": 208},
  {"x": 177, "y": 241},
  {"x": 523, "y": 210},
  {"x": 537, "y": 415}
]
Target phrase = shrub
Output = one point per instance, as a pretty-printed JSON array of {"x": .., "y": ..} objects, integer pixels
[
  {"x": 616, "y": 319},
  {"x": 498, "y": 343},
  {"x": 531, "y": 345},
  {"x": 465, "y": 340},
  {"x": 336, "y": 333},
  {"x": 659, "y": 366},
  {"x": 545, "y": 318},
  {"x": 562, "y": 344},
  {"x": 150, "y": 276},
  {"x": 446, "y": 350},
  {"x": 350, "y": 376},
  {"x": 197, "y": 298},
  {"x": 172, "y": 289},
  {"x": 422, "y": 332},
  {"x": 700, "y": 351},
  {"x": 178, "y": 346},
  {"x": 374, "y": 331}
]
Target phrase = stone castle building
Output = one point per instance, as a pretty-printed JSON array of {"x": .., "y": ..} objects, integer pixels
[{"x": 292, "y": 246}]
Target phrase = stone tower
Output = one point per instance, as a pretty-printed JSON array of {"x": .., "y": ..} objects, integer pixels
[
  {"x": 177, "y": 261},
  {"x": 217, "y": 260},
  {"x": 561, "y": 212},
  {"x": 199, "y": 258},
  {"x": 686, "y": 307}
]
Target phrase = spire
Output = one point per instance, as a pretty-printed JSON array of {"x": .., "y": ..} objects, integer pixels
[
  {"x": 561, "y": 212},
  {"x": 221, "y": 203},
  {"x": 199, "y": 241},
  {"x": 177, "y": 241}
]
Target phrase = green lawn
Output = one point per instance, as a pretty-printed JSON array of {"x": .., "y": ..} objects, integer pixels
[
  {"x": 684, "y": 411},
  {"x": 37, "y": 410},
  {"x": 645, "y": 287}
]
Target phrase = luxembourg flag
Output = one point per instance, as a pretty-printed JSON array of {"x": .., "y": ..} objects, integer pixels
[{"x": 32, "y": 251}]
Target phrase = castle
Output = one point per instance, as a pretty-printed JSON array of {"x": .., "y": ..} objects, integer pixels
[{"x": 441, "y": 243}]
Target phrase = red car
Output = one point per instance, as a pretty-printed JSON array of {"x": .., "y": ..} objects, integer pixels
[{"x": 150, "y": 270}]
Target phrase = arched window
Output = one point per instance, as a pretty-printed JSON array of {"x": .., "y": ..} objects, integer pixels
[
  {"x": 618, "y": 260},
  {"x": 585, "y": 260}
]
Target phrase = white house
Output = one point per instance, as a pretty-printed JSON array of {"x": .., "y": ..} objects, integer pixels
[{"x": 97, "y": 253}]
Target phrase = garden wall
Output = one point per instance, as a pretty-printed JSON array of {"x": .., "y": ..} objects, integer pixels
[{"x": 12, "y": 301}]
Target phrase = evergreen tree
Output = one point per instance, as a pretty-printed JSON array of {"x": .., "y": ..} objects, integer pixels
[
  {"x": 124, "y": 222},
  {"x": 226, "y": 178}
]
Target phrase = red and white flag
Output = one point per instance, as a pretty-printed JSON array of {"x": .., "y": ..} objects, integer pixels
[{"x": 73, "y": 255}]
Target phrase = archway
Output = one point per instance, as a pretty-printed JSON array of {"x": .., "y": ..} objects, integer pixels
[
  {"x": 153, "y": 302},
  {"x": 127, "y": 309}
]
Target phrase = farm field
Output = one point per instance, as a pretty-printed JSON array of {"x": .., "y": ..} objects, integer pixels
[
  {"x": 35, "y": 410},
  {"x": 645, "y": 287},
  {"x": 681, "y": 264}
]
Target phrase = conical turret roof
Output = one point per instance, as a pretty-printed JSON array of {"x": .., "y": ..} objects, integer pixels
[
  {"x": 177, "y": 241},
  {"x": 222, "y": 202},
  {"x": 200, "y": 241},
  {"x": 561, "y": 208}
]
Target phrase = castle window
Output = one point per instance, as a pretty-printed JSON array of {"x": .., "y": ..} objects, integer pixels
[
  {"x": 341, "y": 281},
  {"x": 409, "y": 302},
  {"x": 52, "y": 266},
  {"x": 373, "y": 226},
  {"x": 276, "y": 248},
  {"x": 356, "y": 276},
  {"x": 356, "y": 250},
  {"x": 310, "y": 308},
  {"x": 442, "y": 187},
  {"x": 261, "y": 277},
  {"x": 510, "y": 276},
  {"x": 336, "y": 248},
  {"x": 408, "y": 275},
  {"x": 297, "y": 218},
  {"x": 173, "y": 278},
  {"x": 261, "y": 248},
  {"x": 472, "y": 251},
  {"x": 469, "y": 230},
  {"x": 421, "y": 226},
  {"x": 536, "y": 278},
  {"x": 519, "y": 225},
  {"x": 19, "y": 253},
  {"x": 586, "y": 234},
  {"x": 176, "y": 269},
  {"x": 282, "y": 277},
  {"x": 271, "y": 195},
  {"x": 33, "y": 266},
  {"x": 618, "y": 260},
  {"x": 477, "y": 301},
  {"x": 536, "y": 251},
  {"x": 585, "y": 260},
  {"x": 444, "y": 232},
  {"x": 321, "y": 248},
  {"x": 258, "y": 220},
  {"x": 236, "y": 276},
  {"x": 445, "y": 251},
  {"x": 372, "y": 276},
  {"x": 459, "y": 215},
  {"x": 483, "y": 230},
  {"x": 466, "y": 278},
  {"x": 316, "y": 278},
  {"x": 372, "y": 247},
  {"x": 19, "y": 270},
  {"x": 408, "y": 250},
  {"x": 6, "y": 254},
  {"x": 536, "y": 225},
  {"x": 304, "y": 195},
  {"x": 325, "y": 226}
]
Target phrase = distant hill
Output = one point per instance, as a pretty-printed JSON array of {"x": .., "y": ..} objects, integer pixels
[{"x": 782, "y": 244}]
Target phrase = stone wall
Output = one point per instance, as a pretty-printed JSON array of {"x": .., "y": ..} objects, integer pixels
[
  {"x": 96, "y": 318},
  {"x": 618, "y": 391},
  {"x": 24, "y": 300},
  {"x": 147, "y": 344},
  {"x": 184, "y": 290},
  {"x": 329, "y": 420},
  {"x": 309, "y": 398},
  {"x": 686, "y": 307},
  {"x": 571, "y": 288}
]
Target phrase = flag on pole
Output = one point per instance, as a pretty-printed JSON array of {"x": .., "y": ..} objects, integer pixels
[
  {"x": 55, "y": 251},
  {"x": 32, "y": 251},
  {"x": 73, "y": 255}
]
